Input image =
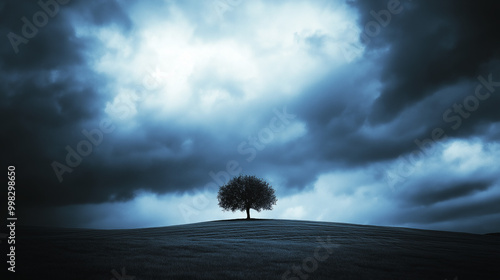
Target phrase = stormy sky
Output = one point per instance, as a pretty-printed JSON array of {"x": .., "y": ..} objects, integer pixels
[{"x": 123, "y": 114}]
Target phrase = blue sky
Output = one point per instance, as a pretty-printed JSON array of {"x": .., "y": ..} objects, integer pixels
[{"x": 131, "y": 113}]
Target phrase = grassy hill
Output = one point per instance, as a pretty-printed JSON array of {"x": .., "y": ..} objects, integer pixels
[{"x": 256, "y": 249}]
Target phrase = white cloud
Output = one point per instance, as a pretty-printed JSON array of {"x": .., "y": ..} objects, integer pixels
[
  {"x": 265, "y": 54},
  {"x": 467, "y": 156}
]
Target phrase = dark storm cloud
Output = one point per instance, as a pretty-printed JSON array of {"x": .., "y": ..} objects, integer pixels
[
  {"x": 53, "y": 39},
  {"x": 47, "y": 92},
  {"x": 335, "y": 111},
  {"x": 104, "y": 13},
  {"x": 452, "y": 212},
  {"x": 434, "y": 54},
  {"x": 442, "y": 192},
  {"x": 432, "y": 45}
]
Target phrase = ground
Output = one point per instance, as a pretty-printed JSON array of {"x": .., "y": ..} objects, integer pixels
[{"x": 255, "y": 249}]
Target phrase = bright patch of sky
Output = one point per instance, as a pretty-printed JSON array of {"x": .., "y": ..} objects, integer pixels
[{"x": 166, "y": 68}]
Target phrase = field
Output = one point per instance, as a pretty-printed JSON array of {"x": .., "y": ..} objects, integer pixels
[{"x": 255, "y": 249}]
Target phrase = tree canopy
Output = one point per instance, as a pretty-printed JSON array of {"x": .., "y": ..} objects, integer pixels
[{"x": 246, "y": 192}]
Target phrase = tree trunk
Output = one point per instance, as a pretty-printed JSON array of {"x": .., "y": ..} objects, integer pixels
[{"x": 248, "y": 213}]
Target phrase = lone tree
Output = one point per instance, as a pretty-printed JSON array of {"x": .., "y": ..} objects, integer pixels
[{"x": 245, "y": 193}]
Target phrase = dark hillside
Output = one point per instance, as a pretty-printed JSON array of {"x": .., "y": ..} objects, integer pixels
[{"x": 256, "y": 249}]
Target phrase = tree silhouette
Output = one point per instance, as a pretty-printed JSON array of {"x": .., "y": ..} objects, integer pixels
[{"x": 245, "y": 193}]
